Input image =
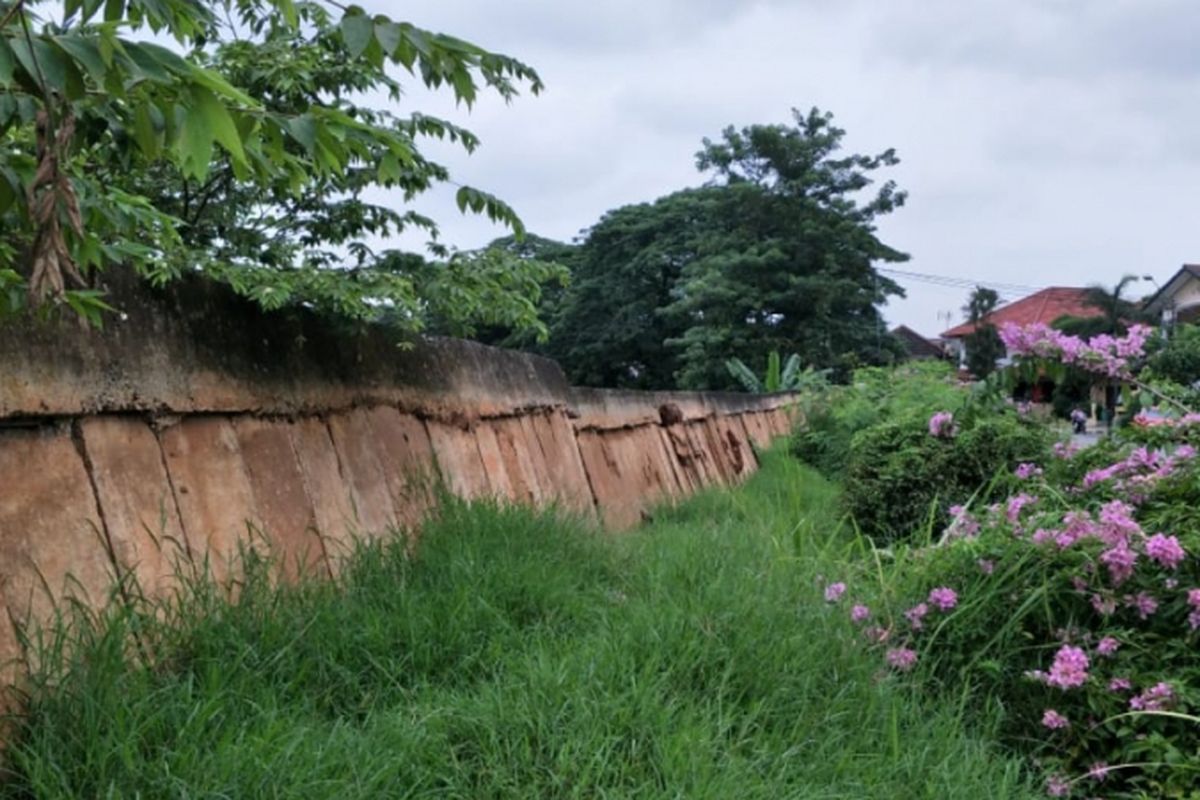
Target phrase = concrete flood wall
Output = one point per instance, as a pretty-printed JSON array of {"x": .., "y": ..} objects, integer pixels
[{"x": 196, "y": 425}]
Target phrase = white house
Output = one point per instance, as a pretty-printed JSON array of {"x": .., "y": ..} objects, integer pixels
[{"x": 1179, "y": 298}]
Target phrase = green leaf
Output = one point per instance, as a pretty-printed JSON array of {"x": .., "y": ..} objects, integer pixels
[
  {"x": 221, "y": 123},
  {"x": 114, "y": 10},
  {"x": 304, "y": 130},
  {"x": 86, "y": 52},
  {"x": 6, "y": 62},
  {"x": 389, "y": 168},
  {"x": 288, "y": 8},
  {"x": 43, "y": 61},
  {"x": 389, "y": 35},
  {"x": 144, "y": 132},
  {"x": 195, "y": 144},
  {"x": 357, "y": 32}
]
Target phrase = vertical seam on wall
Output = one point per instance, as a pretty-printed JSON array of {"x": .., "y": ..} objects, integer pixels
[
  {"x": 309, "y": 493},
  {"x": 583, "y": 465},
  {"x": 183, "y": 528},
  {"x": 88, "y": 467},
  {"x": 741, "y": 418},
  {"x": 349, "y": 486}
]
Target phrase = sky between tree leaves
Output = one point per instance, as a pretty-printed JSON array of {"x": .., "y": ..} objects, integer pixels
[{"x": 1042, "y": 141}]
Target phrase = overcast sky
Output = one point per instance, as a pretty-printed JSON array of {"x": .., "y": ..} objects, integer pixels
[{"x": 1042, "y": 142}]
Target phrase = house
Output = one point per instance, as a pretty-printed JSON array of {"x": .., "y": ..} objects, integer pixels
[
  {"x": 1045, "y": 307},
  {"x": 917, "y": 346},
  {"x": 1179, "y": 298}
]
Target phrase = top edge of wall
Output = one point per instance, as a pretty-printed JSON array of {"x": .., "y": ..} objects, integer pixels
[{"x": 195, "y": 347}]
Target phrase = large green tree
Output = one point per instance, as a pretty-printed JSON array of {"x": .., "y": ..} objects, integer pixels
[
  {"x": 776, "y": 252},
  {"x": 612, "y": 328},
  {"x": 245, "y": 152},
  {"x": 789, "y": 263}
]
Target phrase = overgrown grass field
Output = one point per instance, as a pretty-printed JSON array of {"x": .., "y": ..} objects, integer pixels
[{"x": 516, "y": 655}]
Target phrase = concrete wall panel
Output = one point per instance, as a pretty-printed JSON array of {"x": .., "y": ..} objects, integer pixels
[
  {"x": 52, "y": 542},
  {"x": 330, "y": 494},
  {"x": 212, "y": 490},
  {"x": 407, "y": 457},
  {"x": 458, "y": 460},
  {"x": 355, "y": 441},
  {"x": 285, "y": 511},
  {"x": 136, "y": 499}
]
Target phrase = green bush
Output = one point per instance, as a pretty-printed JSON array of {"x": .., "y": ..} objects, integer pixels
[
  {"x": 876, "y": 394},
  {"x": 1179, "y": 360},
  {"x": 900, "y": 479}
]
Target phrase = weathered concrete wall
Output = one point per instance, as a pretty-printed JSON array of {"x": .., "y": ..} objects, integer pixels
[{"x": 195, "y": 426}]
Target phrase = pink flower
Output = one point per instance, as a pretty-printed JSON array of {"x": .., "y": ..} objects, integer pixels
[
  {"x": 834, "y": 592},
  {"x": 916, "y": 616},
  {"x": 1069, "y": 669},
  {"x": 1065, "y": 450},
  {"x": 1165, "y": 550},
  {"x": 1105, "y": 606},
  {"x": 1119, "y": 685},
  {"x": 1194, "y": 618},
  {"x": 859, "y": 613},
  {"x": 1144, "y": 603},
  {"x": 1156, "y": 698},
  {"x": 942, "y": 425},
  {"x": 1058, "y": 786},
  {"x": 1026, "y": 471},
  {"x": 986, "y": 566},
  {"x": 962, "y": 523},
  {"x": 901, "y": 659},
  {"x": 1107, "y": 646},
  {"x": 1015, "y": 505},
  {"x": 1098, "y": 771},
  {"x": 1194, "y": 598},
  {"x": 877, "y": 633},
  {"x": 1054, "y": 720},
  {"x": 1120, "y": 561},
  {"x": 944, "y": 598}
]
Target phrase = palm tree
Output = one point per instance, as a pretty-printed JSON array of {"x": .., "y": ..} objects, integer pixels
[{"x": 1117, "y": 312}]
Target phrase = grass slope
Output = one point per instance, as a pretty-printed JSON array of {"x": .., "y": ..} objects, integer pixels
[{"x": 517, "y": 655}]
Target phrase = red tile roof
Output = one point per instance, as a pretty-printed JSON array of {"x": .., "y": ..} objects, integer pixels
[{"x": 1044, "y": 306}]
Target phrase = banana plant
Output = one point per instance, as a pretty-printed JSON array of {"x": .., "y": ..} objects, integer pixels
[{"x": 788, "y": 378}]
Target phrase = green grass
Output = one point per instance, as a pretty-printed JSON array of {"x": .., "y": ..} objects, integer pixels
[{"x": 517, "y": 655}]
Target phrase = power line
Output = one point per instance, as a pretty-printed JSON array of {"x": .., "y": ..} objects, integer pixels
[{"x": 1005, "y": 289}]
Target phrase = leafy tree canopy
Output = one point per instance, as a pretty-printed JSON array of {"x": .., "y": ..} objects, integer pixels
[
  {"x": 245, "y": 153},
  {"x": 611, "y": 328},
  {"x": 776, "y": 252}
]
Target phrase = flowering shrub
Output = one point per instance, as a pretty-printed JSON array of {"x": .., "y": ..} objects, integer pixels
[
  {"x": 900, "y": 478},
  {"x": 1078, "y": 609},
  {"x": 1104, "y": 354}
]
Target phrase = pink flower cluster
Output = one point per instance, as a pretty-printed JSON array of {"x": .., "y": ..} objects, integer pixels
[
  {"x": 1156, "y": 698},
  {"x": 834, "y": 592},
  {"x": 1027, "y": 471},
  {"x": 901, "y": 659},
  {"x": 962, "y": 524},
  {"x": 1125, "y": 542},
  {"x": 1054, "y": 720},
  {"x": 1141, "y": 469},
  {"x": 1193, "y": 598},
  {"x": 942, "y": 425},
  {"x": 1070, "y": 668},
  {"x": 1103, "y": 354},
  {"x": 1145, "y": 420}
]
